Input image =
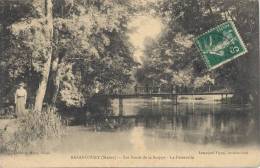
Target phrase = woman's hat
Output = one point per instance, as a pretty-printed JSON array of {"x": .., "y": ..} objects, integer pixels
[{"x": 21, "y": 84}]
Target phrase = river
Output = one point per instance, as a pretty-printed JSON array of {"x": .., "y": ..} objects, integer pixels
[{"x": 159, "y": 124}]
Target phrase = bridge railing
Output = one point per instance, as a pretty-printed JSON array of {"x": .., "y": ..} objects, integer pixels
[
  {"x": 141, "y": 90},
  {"x": 153, "y": 89}
]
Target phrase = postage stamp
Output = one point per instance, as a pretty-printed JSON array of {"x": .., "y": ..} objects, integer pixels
[{"x": 220, "y": 45}]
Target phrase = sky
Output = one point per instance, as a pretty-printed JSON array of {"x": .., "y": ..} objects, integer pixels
[{"x": 144, "y": 26}]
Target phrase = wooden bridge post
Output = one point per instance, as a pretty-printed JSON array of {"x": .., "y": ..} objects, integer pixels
[
  {"x": 121, "y": 107},
  {"x": 135, "y": 89},
  {"x": 176, "y": 103},
  {"x": 172, "y": 102},
  {"x": 226, "y": 98}
]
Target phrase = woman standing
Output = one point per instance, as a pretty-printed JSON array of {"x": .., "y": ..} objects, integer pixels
[{"x": 20, "y": 100}]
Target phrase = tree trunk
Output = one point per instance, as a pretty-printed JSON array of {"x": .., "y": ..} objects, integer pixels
[
  {"x": 48, "y": 27},
  {"x": 55, "y": 80}
]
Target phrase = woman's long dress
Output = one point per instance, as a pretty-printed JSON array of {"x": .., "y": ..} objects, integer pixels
[{"x": 20, "y": 98}]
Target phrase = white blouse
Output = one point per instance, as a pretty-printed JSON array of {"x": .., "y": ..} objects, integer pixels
[{"x": 21, "y": 92}]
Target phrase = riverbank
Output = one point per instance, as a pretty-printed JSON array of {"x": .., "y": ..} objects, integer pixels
[{"x": 24, "y": 134}]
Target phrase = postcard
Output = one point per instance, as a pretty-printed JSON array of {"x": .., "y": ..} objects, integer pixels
[{"x": 129, "y": 83}]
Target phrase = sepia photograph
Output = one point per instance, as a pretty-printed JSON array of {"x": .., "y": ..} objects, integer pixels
[{"x": 129, "y": 83}]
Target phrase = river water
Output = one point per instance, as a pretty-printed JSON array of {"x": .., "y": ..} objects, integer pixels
[
  {"x": 159, "y": 124},
  {"x": 191, "y": 121}
]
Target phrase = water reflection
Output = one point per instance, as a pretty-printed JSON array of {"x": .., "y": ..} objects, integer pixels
[
  {"x": 137, "y": 138},
  {"x": 192, "y": 122}
]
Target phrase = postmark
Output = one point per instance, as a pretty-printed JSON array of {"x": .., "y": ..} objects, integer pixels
[{"x": 220, "y": 45}]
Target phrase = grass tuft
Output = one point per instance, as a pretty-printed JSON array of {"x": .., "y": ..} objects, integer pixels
[{"x": 30, "y": 129}]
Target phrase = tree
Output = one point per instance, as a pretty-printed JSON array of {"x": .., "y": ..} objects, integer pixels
[
  {"x": 48, "y": 28},
  {"x": 79, "y": 44},
  {"x": 36, "y": 34},
  {"x": 30, "y": 35},
  {"x": 92, "y": 39},
  {"x": 190, "y": 18}
]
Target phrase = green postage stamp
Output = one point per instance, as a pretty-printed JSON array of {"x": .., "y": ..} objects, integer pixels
[{"x": 220, "y": 45}]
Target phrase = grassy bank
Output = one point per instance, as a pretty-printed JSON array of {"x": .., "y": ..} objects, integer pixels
[{"x": 19, "y": 135}]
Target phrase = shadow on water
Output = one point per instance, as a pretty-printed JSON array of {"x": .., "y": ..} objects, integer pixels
[{"x": 197, "y": 123}]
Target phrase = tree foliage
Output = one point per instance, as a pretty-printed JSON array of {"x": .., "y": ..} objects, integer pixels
[
  {"x": 89, "y": 47},
  {"x": 173, "y": 57}
]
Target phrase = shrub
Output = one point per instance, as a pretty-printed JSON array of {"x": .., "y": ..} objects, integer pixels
[{"x": 30, "y": 129}]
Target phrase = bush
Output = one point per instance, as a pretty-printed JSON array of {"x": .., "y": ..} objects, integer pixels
[{"x": 30, "y": 129}]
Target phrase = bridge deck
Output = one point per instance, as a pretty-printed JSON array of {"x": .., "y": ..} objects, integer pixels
[{"x": 167, "y": 95}]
